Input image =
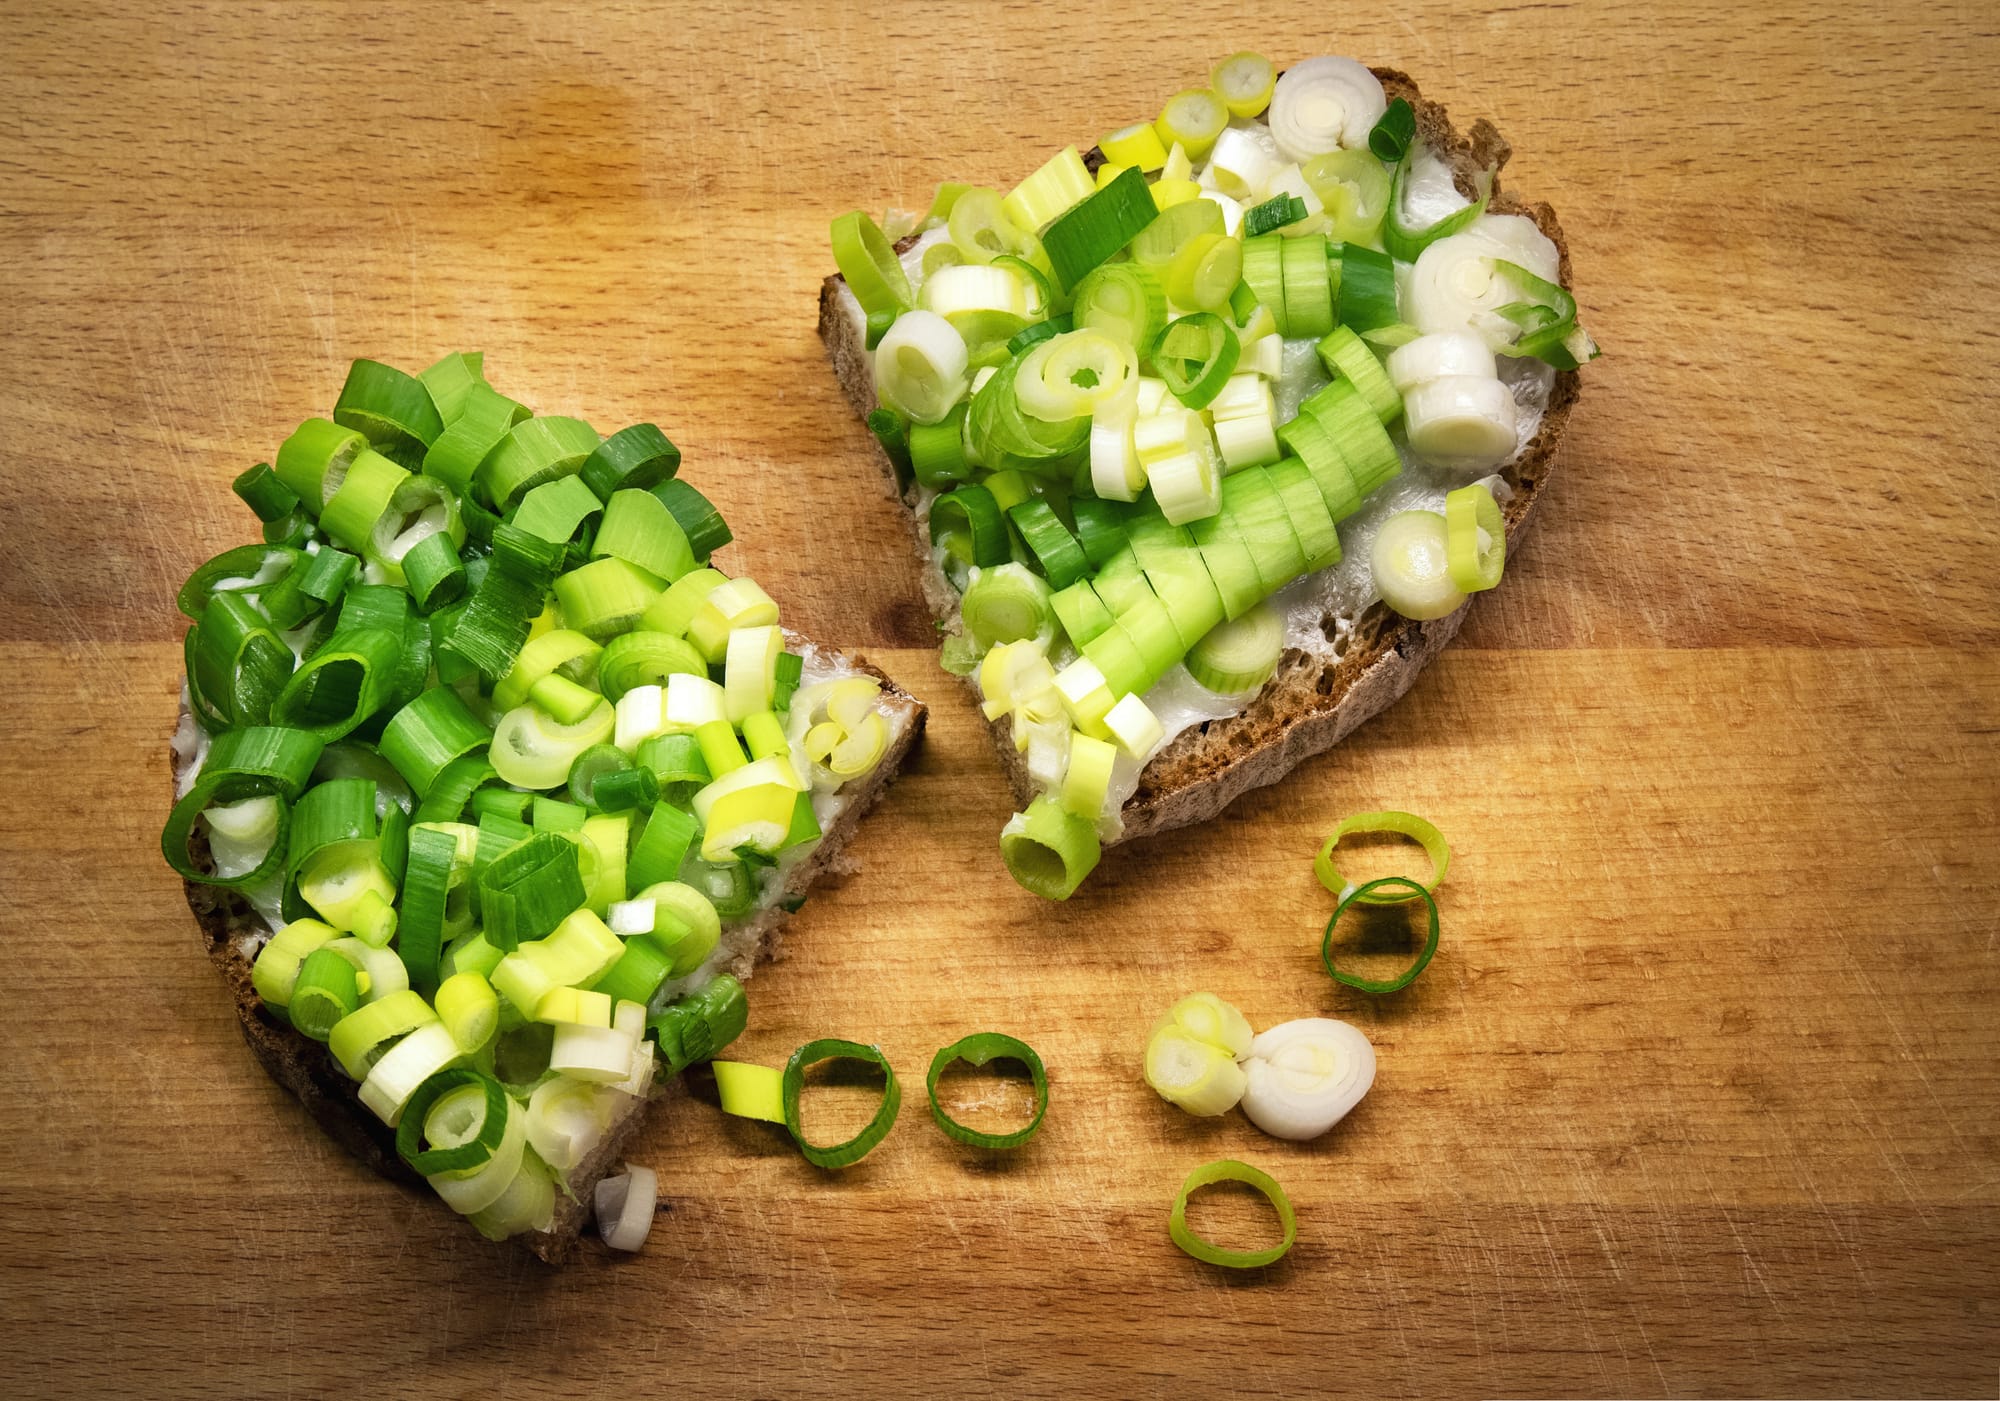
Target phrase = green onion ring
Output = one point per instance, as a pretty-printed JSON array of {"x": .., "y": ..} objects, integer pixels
[
  {"x": 1404, "y": 824},
  {"x": 978, "y": 1049},
  {"x": 1229, "y": 1170},
  {"x": 471, "y": 1154},
  {"x": 846, "y": 1154},
  {"x": 1408, "y": 975}
]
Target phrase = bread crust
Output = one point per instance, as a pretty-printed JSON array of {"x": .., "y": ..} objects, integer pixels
[
  {"x": 1312, "y": 702},
  {"x": 308, "y": 1070}
]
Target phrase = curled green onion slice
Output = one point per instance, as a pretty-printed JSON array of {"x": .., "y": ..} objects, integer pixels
[
  {"x": 868, "y": 262},
  {"x": 1405, "y": 243},
  {"x": 462, "y": 1114},
  {"x": 1229, "y": 1170},
  {"x": 978, "y": 1049},
  {"x": 1100, "y": 225},
  {"x": 636, "y": 457},
  {"x": 1196, "y": 355},
  {"x": 1405, "y": 824},
  {"x": 846, "y": 1154},
  {"x": 968, "y": 523},
  {"x": 1361, "y": 894},
  {"x": 391, "y": 408},
  {"x": 1475, "y": 538},
  {"x": 1393, "y": 131}
]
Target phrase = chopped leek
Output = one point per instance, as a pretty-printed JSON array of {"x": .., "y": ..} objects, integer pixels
[
  {"x": 1475, "y": 538},
  {"x": 1229, "y": 1170},
  {"x": 981, "y": 1049},
  {"x": 1410, "y": 558},
  {"x": 852, "y": 1151},
  {"x": 1366, "y": 895}
]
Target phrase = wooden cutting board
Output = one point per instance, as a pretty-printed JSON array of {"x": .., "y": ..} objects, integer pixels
[{"x": 1699, "y": 1096}]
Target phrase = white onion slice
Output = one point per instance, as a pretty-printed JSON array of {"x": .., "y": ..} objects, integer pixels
[
  {"x": 1325, "y": 104},
  {"x": 1454, "y": 285},
  {"x": 1441, "y": 355},
  {"x": 1462, "y": 422},
  {"x": 920, "y": 366},
  {"x": 1240, "y": 165},
  {"x": 1304, "y": 1077},
  {"x": 625, "y": 1205}
]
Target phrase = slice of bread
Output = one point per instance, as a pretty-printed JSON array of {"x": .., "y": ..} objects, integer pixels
[
  {"x": 233, "y": 931},
  {"x": 1313, "y": 701}
]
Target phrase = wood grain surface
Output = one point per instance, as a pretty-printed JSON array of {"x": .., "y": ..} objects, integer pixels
[{"x": 1699, "y": 1096}]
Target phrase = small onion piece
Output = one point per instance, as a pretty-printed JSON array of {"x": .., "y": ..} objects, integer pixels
[
  {"x": 1189, "y": 1070},
  {"x": 1454, "y": 285},
  {"x": 625, "y": 1205},
  {"x": 1305, "y": 1076},
  {"x": 1325, "y": 104},
  {"x": 1411, "y": 564},
  {"x": 1462, "y": 423},
  {"x": 920, "y": 366}
]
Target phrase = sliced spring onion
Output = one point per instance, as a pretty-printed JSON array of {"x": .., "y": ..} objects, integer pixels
[
  {"x": 314, "y": 460},
  {"x": 1195, "y": 355},
  {"x": 1393, "y": 131},
  {"x": 607, "y": 596},
  {"x": 470, "y": 1010},
  {"x": 1006, "y": 603},
  {"x": 1273, "y": 214},
  {"x": 1229, "y": 1170},
  {"x": 1356, "y": 433},
  {"x": 1462, "y": 423},
  {"x": 555, "y": 509},
  {"x": 920, "y": 366},
  {"x": 276, "y": 970},
  {"x": 558, "y": 652},
  {"x": 846, "y": 1154},
  {"x": 362, "y": 499},
  {"x": 534, "y": 451},
  {"x": 1346, "y": 356},
  {"x": 1155, "y": 245},
  {"x": 1475, "y": 538},
  {"x": 892, "y": 431},
  {"x": 1194, "y": 119},
  {"x": 484, "y": 419},
  {"x": 434, "y": 572},
  {"x": 981, "y": 229},
  {"x": 1205, "y": 272},
  {"x": 1308, "y": 286},
  {"x": 1406, "y": 244},
  {"x": 967, "y": 522},
  {"x": 1097, "y": 227},
  {"x": 356, "y": 1037},
  {"x": 1263, "y": 274},
  {"x": 530, "y": 749},
  {"x": 978, "y": 1049},
  {"x": 869, "y": 264},
  {"x": 1187, "y": 1070},
  {"x": 1548, "y": 326},
  {"x": 703, "y": 525},
  {"x": 1138, "y": 146},
  {"x": 1049, "y": 540},
  {"x": 1367, "y": 297},
  {"x": 428, "y": 733},
  {"x": 750, "y": 1091},
  {"x": 404, "y": 1067},
  {"x": 624, "y": 1206},
  {"x": 1239, "y": 655},
  {"x": 1054, "y": 188},
  {"x": 265, "y": 493},
  {"x": 462, "y": 1115},
  {"x": 1411, "y": 561},
  {"x": 1134, "y": 727},
  {"x": 1323, "y": 104},
  {"x": 1245, "y": 82},
  {"x": 450, "y": 381},
  {"x": 393, "y": 410},
  {"x": 343, "y": 683},
  {"x": 1306, "y": 508},
  {"x": 1075, "y": 374},
  {"x": 1049, "y": 850},
  {"x": 528, "y": 890},
  {"x": 1123, "y": 300},
  {"x": 1406, "y": 824},
  {"x": 1087, "y": 780},
  {"x": 642, "y": 659},
  {"x": 662, "y": 846},
  {"x": 566, "y": 1119},
  {"x": 1353, "y": 189},
  {"x": 639, "y": 529},
  {"x": 323, "y": 993},
  {"x": 1366, "y": 895},
  {"x": 937, "y": 450},
  {"x": 695, "y": 1027},
  {"x": 433, "y": 858}
]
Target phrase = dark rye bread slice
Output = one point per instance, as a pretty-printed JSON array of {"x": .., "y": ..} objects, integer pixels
[
  {"x": 1311, "y": 703},
  {"x": 307, "y": 1068}
]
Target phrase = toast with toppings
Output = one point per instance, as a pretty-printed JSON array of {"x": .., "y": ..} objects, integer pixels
[
  {"x": 491, "y": 788},
  {"x": 1345, "y": 653}
]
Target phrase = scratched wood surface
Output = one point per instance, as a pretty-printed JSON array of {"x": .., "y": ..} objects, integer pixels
[{"x": 1699, "y": 1096}]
